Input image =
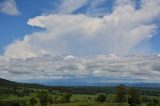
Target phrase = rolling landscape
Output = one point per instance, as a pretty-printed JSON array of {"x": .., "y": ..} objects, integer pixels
[
  {"x": 79, "y": 52},
  {"x": 21, "y": 94}
]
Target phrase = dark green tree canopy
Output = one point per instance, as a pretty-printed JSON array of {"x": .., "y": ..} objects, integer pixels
[
  {"x": 101, "y": 98},
  {"x": 120, "y": 93}
]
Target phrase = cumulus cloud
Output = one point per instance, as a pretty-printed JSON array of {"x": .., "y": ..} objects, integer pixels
[
  {"x": 80, "y": 34},
  {"x": 39, "y": 54},
  {"x": 9, "y": 7},
  {"x": 105, "y": 67}
]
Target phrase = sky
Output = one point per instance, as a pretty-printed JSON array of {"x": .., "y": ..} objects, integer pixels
[{"x": 80, "y": 39}]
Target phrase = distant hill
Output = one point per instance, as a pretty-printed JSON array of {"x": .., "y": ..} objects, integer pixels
[
  {"x": 52, "y": 84},
  {"x": 83, "y": 87},
  {"x": 149, "y": 85},
  {"x": 83, "y": 83},
  {"x": 4, "y": 82}
]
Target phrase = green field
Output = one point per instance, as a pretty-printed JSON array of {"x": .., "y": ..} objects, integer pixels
[
  {"x": 18, "y": 94},
  {"x": 76, "y": 100}
]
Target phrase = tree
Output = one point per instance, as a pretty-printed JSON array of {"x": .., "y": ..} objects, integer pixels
[
  {"x": 50, "y": 100},
  {"x": 67, "y": 97},
  {"x": 150, "y": 104},
  {"x": 43, "y": 98},
  {"x": 101, "y": 98},
  {"x": 120, "y": 93},
  {"x": 16, "y": 104},
  {"x": 55, "y": 99},
  {"x": 135, "y": 98},
  {"x": 155, "y": 101},
  {"x": 33, "y": 101},
  {"x": 89, "y": 98},
  {"x": 26, "y": 92}
]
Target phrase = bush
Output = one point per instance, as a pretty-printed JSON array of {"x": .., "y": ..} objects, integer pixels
[
  {"x": 67, "y": 97},
  {"x": 13, "y": 103},
  {"x": 33, "y": 101},
  {"x": 43, "y": 98},
  {"x": 101, "y": 98}
]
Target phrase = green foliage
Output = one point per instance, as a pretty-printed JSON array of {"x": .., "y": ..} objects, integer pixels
[
  {"x": 67, "y": 97},
  {"x": 146, "y": 99},
  {"x": 43, "y": 97},
  {"x": 155, "y": 101},
  {"x": 135, "y": 98},
  {"x": 33, "y": 101},
  {"x": 101, "y": 98},
  {"x": 150, "y": 104},
  {"x": 13, "y": 103},
  {"x": 60, "y": 99},
  {"x": 55, "y": 97},
  {"x": 24, "y": 95},
  {"x": 50, "y": 100},
  {"x": 120, "y": 93}
]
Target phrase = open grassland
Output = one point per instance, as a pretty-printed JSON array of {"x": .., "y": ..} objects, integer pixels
[
  {"x": 14, "y": 94},
  {"x": 91, "y": 104},
  {"x": 76, "y": 100}
]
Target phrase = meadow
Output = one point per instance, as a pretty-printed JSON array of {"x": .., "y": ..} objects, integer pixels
[{"x": 22, "y": 96}]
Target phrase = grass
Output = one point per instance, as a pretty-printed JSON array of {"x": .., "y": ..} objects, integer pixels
[
  {"x": 76, "y": 100},
  {"x": 82, "y": 97},
  {"x": 91, "y": 104},
  {"x": 13, "y": 97}
]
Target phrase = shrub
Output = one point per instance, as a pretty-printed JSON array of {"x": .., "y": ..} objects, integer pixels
[{"x": 101, "y": 98}]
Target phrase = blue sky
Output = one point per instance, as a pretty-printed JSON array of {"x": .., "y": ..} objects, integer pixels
[
  {"x": 15, "y": 27},
  {"x": 33, "y": 29}
]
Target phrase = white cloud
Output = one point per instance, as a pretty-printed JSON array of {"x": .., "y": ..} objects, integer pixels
[
  {"x": 23, "y": 48},
  {"x": 96, "y": 8},
  {"x": 9, "y": 7},
  {"x": 69, "y": 57},
  {"x": 124, "y": 3},
  {"x": 116, "y": 68},
  {"x": 69, "y": 6},
  {"x": 115, "y": 33}
]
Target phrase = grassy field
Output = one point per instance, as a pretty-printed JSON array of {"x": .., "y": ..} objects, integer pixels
[
  {"x": 80, "y": 96},
  {"x": 76, "y": 100},
  {"x": 91, "y": 104},
  {"x": 13, "y": 97}
]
